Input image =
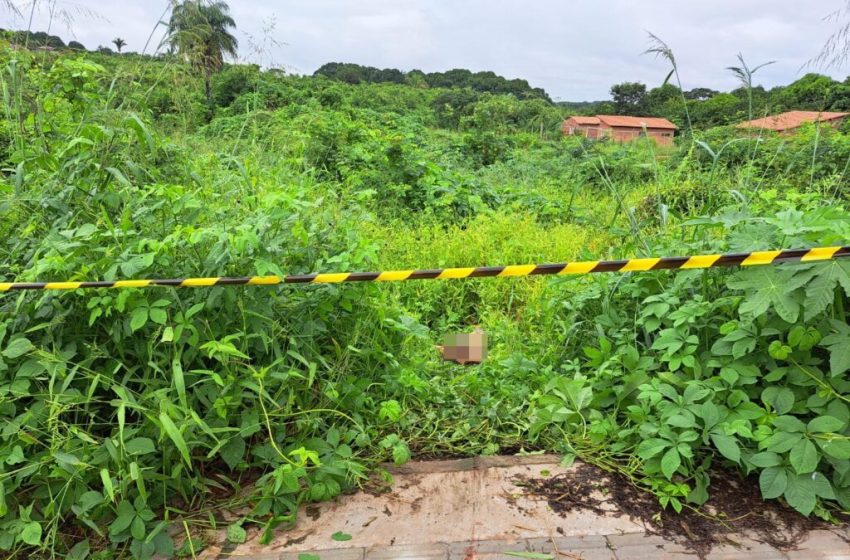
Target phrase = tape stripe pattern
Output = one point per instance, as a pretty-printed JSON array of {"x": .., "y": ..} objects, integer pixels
[{"x": 755, "y": 258}]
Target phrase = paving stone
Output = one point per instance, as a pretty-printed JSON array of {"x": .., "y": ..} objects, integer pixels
[
  {"x": 749, "y": 550},
  {"x": 591, "y": 547},
  {"x": 329, "y": 554},
  {"x": 225, "y": 556},
  {"x": 409, "y": 552},
  {"x": 639, "y": 546},
  {"x": 826, "y": 545},
  {"x": 489, "y": 461},
  {"x": 420, "y": 467},
  {"x": 489, "y": 550}
]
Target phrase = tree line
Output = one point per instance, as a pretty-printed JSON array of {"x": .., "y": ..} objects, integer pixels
[
  {"x": 458, "y": 78},
  {"x": 709, "y": 107},
  {"x": 200, "y": 32}
]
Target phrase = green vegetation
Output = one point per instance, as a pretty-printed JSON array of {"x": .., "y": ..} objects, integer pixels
[
  {"x": 199, "y": 32},
  {"x": 126, "y": 413},
  {"x": 458, "y": 79}
]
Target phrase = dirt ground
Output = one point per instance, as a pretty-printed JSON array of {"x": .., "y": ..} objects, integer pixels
[{"x": 517, "y": 503}]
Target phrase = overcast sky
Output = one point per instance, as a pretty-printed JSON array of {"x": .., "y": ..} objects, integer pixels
[{"x": 574, "y": 49}]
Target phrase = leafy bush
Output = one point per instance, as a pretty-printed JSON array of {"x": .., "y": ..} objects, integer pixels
[
  {"x": 746, "y": 369},
  {"x": 128, "y": 412}
]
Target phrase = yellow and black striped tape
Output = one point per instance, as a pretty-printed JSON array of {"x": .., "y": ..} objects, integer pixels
[{"x": 756, "y": 258}]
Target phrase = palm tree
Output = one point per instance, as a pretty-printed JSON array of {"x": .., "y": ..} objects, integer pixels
[
  {"x": 199, "y": 31},
  {"x": 119, "y": 43}
]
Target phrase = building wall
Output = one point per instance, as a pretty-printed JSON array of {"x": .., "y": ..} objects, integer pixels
[
  {"x": 572, "y": 128},
  {"x": 661, "y": 136}
]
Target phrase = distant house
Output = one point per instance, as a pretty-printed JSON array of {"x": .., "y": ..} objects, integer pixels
[
  {"x": 621, "y": 128},
  {"x": 579, "y": 125},
  {"x": 787, "y": 123}
]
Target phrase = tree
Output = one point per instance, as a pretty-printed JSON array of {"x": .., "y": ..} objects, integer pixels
[
  {"x": 629, "y": 97},
  {"x": 812, "y": 92},
  {"x": 199, "y": 31},
  {"x": 700, "y": 94},
  {"x": 119, "y": 43}
]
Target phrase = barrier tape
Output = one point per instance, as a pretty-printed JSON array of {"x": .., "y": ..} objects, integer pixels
[{"x": 756, "y": 258}]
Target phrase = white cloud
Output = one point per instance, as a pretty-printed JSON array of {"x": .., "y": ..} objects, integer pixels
[{"x": 575, "y": 50}]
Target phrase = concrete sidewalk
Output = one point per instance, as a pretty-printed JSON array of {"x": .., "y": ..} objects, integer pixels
[{"x": 473, "y": 509}]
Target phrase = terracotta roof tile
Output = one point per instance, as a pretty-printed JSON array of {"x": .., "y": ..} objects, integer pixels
[
  {"x": 791, "y": 119},
  {"x": 584, "y": 120},
  {"x": 637, "y": 122}
]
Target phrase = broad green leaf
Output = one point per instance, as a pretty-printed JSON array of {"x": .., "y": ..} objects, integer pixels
[
  {"x": 820, "y": 286},
  {"x": 137, "y": 528},
  {"x": 138, "y": 318},
  {"x": 31, "y": 533},
  {"x": 766, "y": 459},
  {"x": 837, "y": 343},
  {"x": 822, "y": 486},
  {"x": 780, "y": 442},
  {"x": 772, "y": 482},
  {"x": 158, "y": 316},
  {"x": 90, "y": 499},
  {"x": 167, "y": 334},
  {"x": 79, "y": 551},
  {"x": 140, "y": 446},
  {"x": 67, "y": 459},
  {"x": 233, "y": 451},
  {"x": 682, "y": 420},
  {"x": 835, "y": 448},
  {"x": 670, "y": 462},
  {"x": 767, "y": 287},
  {"x": 800, "y": 493},
  {"x": 826, "y": 424},
  {"x": 16, "y": 456},
  {"x": 122, "y": 522},
  {"x": 340, "y": 536},
  {"x": 17, "y": 348},
  {"x": 804, "y": 457},
  {"x": 789, "y": 424},
  {"x": 728, "y": 446},
  {"x": 176, "y": 437},
  {"x": 709, "y": 413},
  {"x": 780, "y": 398},
  {"x": 401, "y": 453},
  {"x": 323, "y": 491},
  {"x": 649, "y": 448}
]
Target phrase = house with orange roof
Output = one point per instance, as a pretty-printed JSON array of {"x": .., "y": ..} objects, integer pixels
[
  {"x": 788, "y": 123},
  {"x": 621, "y": 128},
  {"x": 578, "y": 125}
]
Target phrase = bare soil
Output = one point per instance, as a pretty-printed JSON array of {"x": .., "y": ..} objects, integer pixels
[{"x": 734, "y": 508}]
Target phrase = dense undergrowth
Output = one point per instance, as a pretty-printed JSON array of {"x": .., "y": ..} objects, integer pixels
[{"x": 128, "y": 413}]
